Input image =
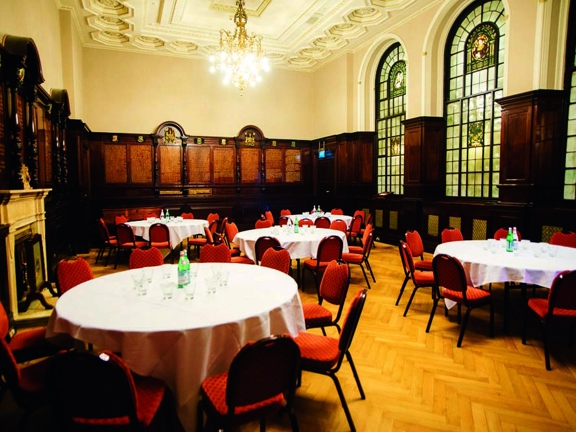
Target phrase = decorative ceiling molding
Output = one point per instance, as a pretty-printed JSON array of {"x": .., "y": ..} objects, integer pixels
[{"x": 297, "y": 34}]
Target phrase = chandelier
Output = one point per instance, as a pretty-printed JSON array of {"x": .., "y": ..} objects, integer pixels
[{"x": 240, "y": 57}]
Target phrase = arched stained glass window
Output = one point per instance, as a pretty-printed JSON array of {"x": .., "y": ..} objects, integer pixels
[
  {"x": 570, "y": 86},
  {"x": 475, "y": 75},
  {"x": 390, "y": 112}
]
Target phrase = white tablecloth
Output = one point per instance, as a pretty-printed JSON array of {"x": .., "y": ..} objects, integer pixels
[
  {"x": 483, "y": 266},
  {"x": 180, "y": 341},
  {"x": 315, "y": 216},
  {"x": 301, "y": 245},
  {"x": 178, "y": 230}
]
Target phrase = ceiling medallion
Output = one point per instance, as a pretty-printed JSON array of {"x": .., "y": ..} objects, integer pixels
[{"x": 240, "y": 58}]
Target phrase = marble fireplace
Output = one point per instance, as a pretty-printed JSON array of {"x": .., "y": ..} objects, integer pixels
[{"x": 23, "y": 212}]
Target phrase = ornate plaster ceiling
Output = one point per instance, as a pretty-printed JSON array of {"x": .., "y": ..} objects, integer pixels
[{"x": 297, "y": 34}]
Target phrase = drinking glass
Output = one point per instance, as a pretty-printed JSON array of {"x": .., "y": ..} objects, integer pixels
[
  {"x": 137, "y": 278},
  {"x": 167, "y": 287},
  {"x": 223, "y": 280},
  {"x": 211, "y": 284},
  {"x": 148, "y": 274},
  {"x": 552, "y": 250},
  {"x": 166, "y": 271},
  {"x": 524, "y": 244},
  {"x": 190, "y": 289},
  {"x": 193, "y": 270}
]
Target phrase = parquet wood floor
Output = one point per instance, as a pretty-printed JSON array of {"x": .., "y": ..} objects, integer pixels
[{"x": 416, "y": 381}]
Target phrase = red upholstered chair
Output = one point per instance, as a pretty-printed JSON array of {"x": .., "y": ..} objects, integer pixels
[
  {"x": 145, "y": 258},
  {"x": 269, "y": 216},
  {"x": 450, "y": 283},
  {"x": 230, "y": 231},
  {"x": 501, "y": 233},
  {"x": 417, "y": 248},
  {"x": 107, "y": 240},
  {"x": 284, "y": 220},
  {"x": 127, "y": 241},
  {"x": 212, "y": 217},
  {"x": 72, "y": 273},
  {"x": 198, "y": 242},
  {"x": 361, "y": 257},
  {"x": 324, "y": 354},
  {"x": 120, "y": 219},
  {"x": 215, "y": 253},
  {"x": 451, "y": 234},
  {"x": 420, "y": 279},
  {"x": 564, "y": 239},
  {"x": 305, "y": 222},
  {"x": 25, "y": 344},
  {"x": 369, "y": 220},
  {"x": 27, "y": 384},
  {"x": 560, "y": 306},
  {"x": 285, "y": 212},
  {"x": 339, "y": 225},
  {"x": 277, "y": 258},
  {"x": 333, "y": 290},
  {"x": 353, "y": 232},
  {"x": 97, "y": 391},
  {"x": 329, "y": 249},
  {"x": 262, "y": 244},
  {"x": 360, "y": 213},
  {"x": 322, "y": 222},
  {"x": 159, "y": 237},
  {"x": 262, "y": 223},
  {"x": 261, "y": 381},
  {"x": 336, "y": 211},
  {"x": 187, "y": 215}
]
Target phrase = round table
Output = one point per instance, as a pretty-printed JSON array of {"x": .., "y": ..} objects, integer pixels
[
  {"x": 179, "y": 230},
  {"x": 484, "y": 265},
  {"x": 315, "y": 216},
  {"x": 180, "y": 341},
  {"x": 301, "y": 245}
]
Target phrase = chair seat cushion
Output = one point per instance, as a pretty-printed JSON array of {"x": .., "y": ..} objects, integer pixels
[
  {"x": 356, "y": 249},
  {"x": 316, "y": 315},
  {"x": 353, "y": 258},
  {"x": 540, "y": 306},
  {"x": 32, "y": 378},
  {"x": 214, "y": 393},
  {"x": 423, "y": 265},
  {"x": 197, "y": 241},
  {"x": 424, "y": 277},
  {"x": 241, "y": 260},
  {"x": 138, "y": 243},
  {"x": 473, "y": 295},
  {"x": 319, "y": 353},
  {"x": 163, "y": 244},
  {"x": 310, "y": 264},
  {"x": 150, "y": 393}
]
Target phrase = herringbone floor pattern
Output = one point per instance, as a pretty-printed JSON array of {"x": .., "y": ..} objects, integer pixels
[{"x": 416, "y": 381}]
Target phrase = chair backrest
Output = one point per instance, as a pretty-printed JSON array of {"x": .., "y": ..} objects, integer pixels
[
  {"x": 72, "y": 273},
  {"x": 305, "y": 221},
  {"x": 125, "y": 236},
  {"x": 4, "y": 322},
  {"x": 283, "y": 220},
  {"x": 262, "y": 244},
  {"x": 145, "y": 258},
  {"x": 335, "y": 282},
  {"x": 361, "y": 214},
  {"x": 230, "y": 229},
  {"x": 212, "y": 217},
  {"x": 449, "y": 273},
  {"x": 337, "y": 211},
  {"x": 187, "y": 215},
  {"x": 277, "y": 258},
  {"x": 451, "y": 234},
  {"x": 356, "y": 224},
  {"x": 159, "y": 233},
  {"x": 103, "y": 232},
  {"x": 92, "y": 389},
  {"x": 562, "y": 294},
  {"x": 351, "y": 323},
  {"x": 329, "y": 249},
  {"x": 415, "y": 242},
  {"x": 212, "y": 237},
  {"x": 367, "y": 240},
  {"x": 215, "y": 253},
  {"x": 501, "y": 233},
  {"x": 564, "y": 239},
  {"x": 119, "y": 219},
  {"x": 322, "y": 222},
  {"x": 262, "y": 223},
  {"x": 339, "y": 225},
  {"x": 269, "y": 216},
  {"x": 261, "y": 371},
  {"x": 11, "y": 372},
  {"x": 285, "y": 212},
  {"x": 406, "y": 258},
  {"x": 369, "y": 219}
]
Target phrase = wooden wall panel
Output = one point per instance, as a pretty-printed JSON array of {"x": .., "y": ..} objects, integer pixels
[
  {"x": 249, "y": 165},
  {"x": 198, "y": 162},
  {"x": 293, "y": 162},
  {"x": 141, "y": 164},
  {"x": 275, "y": 165},
  {"x": 115, "y": 164},
  {"x": 224, "y": 164},
  {"x": 170, "y": 163}
]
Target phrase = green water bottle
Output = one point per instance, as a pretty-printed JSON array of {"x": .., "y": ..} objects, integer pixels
[
  {"x": 183, "y": 270},
  {"x": 296, "y": 225},
  {"x": 510, "y": 241}
]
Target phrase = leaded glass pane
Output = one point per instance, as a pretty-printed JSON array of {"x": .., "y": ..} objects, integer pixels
[
  {"x": 476, "y": 65},
  {"x": 391, "y": 88}
]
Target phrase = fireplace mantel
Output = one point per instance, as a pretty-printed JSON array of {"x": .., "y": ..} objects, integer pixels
[{"x": 22, "y": 210}]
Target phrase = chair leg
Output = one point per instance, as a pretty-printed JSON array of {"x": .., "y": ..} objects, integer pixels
[
  {"x": 491, "y": 319},
  {"x": 432, "y": 312},
  {"x": 506, "y": 300},
  {"x": 402, "y": 289},
  {"x": 293, "y": 421},
  {"x": 262, "y": 424},
  {"x": 365, "y": 276},
  {"x": 343, "y": 401},
  {"x": 463, "y": 329},
  {"x": 355, "y": 373},
  {"x": 410, "y": 301},
  {"x": 199, "y": 417},
  {"x": 546, "y": 347},
  {"x": 371, "y": 272}
]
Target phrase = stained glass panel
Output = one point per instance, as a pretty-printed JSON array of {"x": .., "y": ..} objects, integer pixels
[
  {"x": 390, "y": 112},
  {"x": 570, "y": 163},
  {"x": 475, "y": 66}
]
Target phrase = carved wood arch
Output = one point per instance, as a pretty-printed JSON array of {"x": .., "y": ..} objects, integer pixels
[{"x": 169, "y": 133}]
